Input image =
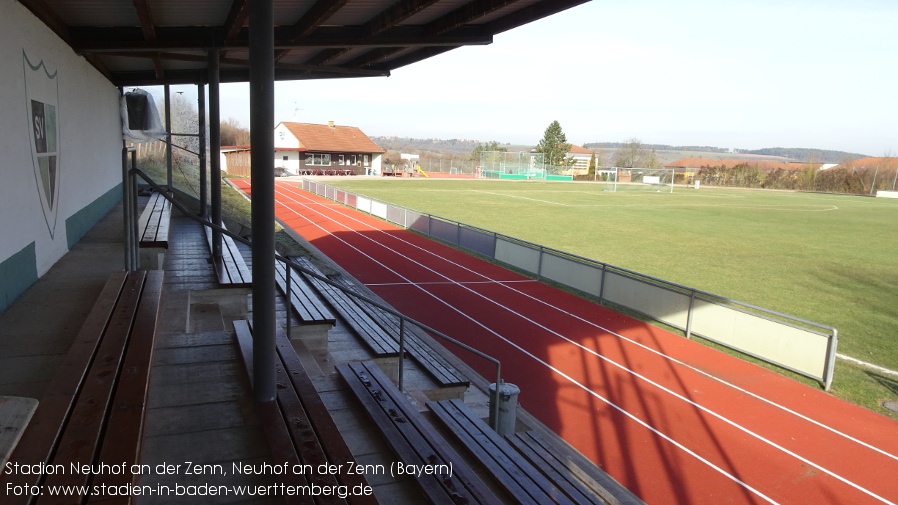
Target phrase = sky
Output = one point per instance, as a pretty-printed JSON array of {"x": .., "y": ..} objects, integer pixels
[{"x": 737, "y": 74}]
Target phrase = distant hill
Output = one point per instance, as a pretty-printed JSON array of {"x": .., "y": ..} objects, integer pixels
[
  {"x": 666, "y": 153},
  {"x": 802, "y": 154}
]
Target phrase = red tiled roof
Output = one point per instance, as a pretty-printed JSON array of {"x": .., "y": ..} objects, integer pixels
[
  {"x": 320, "y": 137},
  {"x": 579, "y": 150},
  {"x": 885, "y": 163}
]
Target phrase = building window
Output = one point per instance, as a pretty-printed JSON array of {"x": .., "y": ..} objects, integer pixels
[
  {"x": 286, "y": 158},
  {"x": 318, "y": 159},
  {"x": 354, "y": 160},
  {"x": 366, "y": 160},
  {"x": 342, "y": 159}
]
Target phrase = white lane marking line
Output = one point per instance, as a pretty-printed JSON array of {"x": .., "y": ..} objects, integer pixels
[
  {"x": 547, "y": 365},
  {"x": 527, "y": 319},
  {"x": 674, "y": 360}
]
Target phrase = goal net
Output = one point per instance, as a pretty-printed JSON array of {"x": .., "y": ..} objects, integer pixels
[
  {"x": 511, "y": 165},
  {"x": 647, "y": 180}
]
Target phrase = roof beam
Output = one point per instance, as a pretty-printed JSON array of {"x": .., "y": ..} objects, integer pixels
[
  {"x": 149, "y": 31},
  {"x": 103, "y": 39},
  {"x": 395, "y": 14},
  {"x": 373, "y": 56},
  {"x": 466, "y": 14},
  {"x": 326, "y": 55},
  {"x": 314, "y": 17},
  {"x": 531, "y": 13},
  {"x": 235, "y": 20}
]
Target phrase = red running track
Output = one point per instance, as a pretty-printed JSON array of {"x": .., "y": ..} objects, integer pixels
[{"x": 672, "y": 420}]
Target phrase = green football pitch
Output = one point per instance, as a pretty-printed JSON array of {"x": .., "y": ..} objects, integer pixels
[{"x": 827, "y": 258}]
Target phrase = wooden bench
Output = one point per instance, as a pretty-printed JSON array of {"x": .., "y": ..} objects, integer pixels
[
  {"x": 524, "y": 479},
  {"x": 230, "y": 268},
  {"x": 298, "y": 427},
  {"x": 564, "y": 465},
  {"x": 413, "y": 439},
  {"x": 381, "y": 343},
  {"x": 314, "y": 316},
  {"x": 380, "y": 330},
  {"x": 153, "y": 231},
  {"x": 93, "y": 411},
  {"x": 435, "y": 364}
]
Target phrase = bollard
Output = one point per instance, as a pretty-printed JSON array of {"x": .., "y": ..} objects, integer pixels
[{"x": 508, "y": 401}]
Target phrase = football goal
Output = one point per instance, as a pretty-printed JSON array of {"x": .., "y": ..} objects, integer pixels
[{"x": 648, "y": 180}]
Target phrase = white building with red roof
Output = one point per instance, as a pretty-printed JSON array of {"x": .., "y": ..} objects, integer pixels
[{"x": 304, "y": 148}]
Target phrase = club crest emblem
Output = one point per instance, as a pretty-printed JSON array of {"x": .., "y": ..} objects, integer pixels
[{"x": 42, "y": 103}]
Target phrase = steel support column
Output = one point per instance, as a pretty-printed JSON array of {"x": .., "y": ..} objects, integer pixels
[
  {"x": 201, "y": 131},
  {"x": 261, "y": 96},
  {"x": 215, "y": 147},
  {"x": 168, "y": 153}
]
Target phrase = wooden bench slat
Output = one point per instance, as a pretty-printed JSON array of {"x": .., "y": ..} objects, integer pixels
[
  {"x": 298, "y": 426},
  {"x": 524, "y": 482},
  {"x": 230, "y": 268},
  {"x": 565, "y": 464},
  {"x": 435, "y": 364},
  {"x": 310, "y": 307},
  {"x": 83, "y": 430},
  {"x": 128, "y": 411},
  {"x": 154, "y": 222},
  {"x": 374, "y": 336},
  {"x": 44, "y": 429},
  {"x": 412, "y": 438}
]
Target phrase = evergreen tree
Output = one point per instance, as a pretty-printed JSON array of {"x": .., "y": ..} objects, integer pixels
[{"x": 554, "y": 145}]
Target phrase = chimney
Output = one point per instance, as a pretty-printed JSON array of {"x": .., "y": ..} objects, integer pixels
[{"x": 330, "y": 123}]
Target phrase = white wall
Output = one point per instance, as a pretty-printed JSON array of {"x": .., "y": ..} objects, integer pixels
[
  {"x": 284, "y": 138},
  {"x": 89, "y": 159}
]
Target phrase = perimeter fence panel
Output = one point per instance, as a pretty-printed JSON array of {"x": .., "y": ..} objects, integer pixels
[
  {"x": 658, "y": 302},
  {"x": 798, "y": 349},
  {"x": 418, "y": 222},
  {"x": 480, "y": 241},
  {"x": 396, "y": 215},
  {"x": 570, "y": 272},
  {"x": 379, "y": 209},
  {"x": 804, "y": 347},
  {"x": 446, "y": 231},
  {"x": 363, "y": 204},
  {"x": 517, "y": 255},
  {"x": 331, "y": 193}
]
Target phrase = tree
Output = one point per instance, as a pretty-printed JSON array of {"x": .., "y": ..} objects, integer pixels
[
  {"x": 592, "y": 165},
  {"x": 634, "y": 155},
  {"x": 232, "y": 134},
  {"x": 483, "y": 148},
  {"x": 554, "y": 145}
]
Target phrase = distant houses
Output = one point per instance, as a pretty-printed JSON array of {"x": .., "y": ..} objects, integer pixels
[{"x": 309, "y": 149}]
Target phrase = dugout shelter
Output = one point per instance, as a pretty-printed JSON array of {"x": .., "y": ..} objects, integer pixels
[{"x": 66, "y": 65}]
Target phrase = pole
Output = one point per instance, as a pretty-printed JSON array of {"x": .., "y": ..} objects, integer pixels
[
  {"x": 201, "y": 127},
  {"x": 215, "y": 146},
  {"x": 168, "y": 160},
  {"x": 261, "y": 95}
]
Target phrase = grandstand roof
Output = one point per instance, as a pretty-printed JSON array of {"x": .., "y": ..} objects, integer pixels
[{"x": 152, "y": 42}]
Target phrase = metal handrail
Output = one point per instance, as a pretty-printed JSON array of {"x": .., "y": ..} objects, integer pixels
[{"x": 290, "y": 264}]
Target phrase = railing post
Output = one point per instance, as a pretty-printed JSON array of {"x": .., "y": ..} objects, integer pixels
[
  {"x": 289, "y": 270},
  {"x": 689, "y": 314},
  {"x": 135, "y": 220},
  {"x": 126, "y": 211}
]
